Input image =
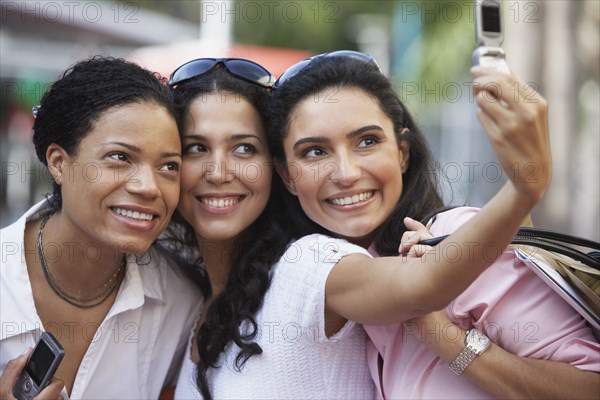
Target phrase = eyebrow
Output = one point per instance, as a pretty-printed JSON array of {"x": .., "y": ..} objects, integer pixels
[
  {"x": 241, "y": 136},
  {"x": 349, "y": 135},
  {"x": 232, "y": 138},
  {"x": 137, "y": 149}
]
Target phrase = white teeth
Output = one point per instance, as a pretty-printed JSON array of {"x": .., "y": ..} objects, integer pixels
[
  {"x": 219, "y": 203},
  {"x": 357, "y": 198},
  {"x": 134, "y": 214}
]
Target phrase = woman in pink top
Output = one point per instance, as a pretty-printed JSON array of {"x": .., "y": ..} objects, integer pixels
[{"x": 357, "y": 166}]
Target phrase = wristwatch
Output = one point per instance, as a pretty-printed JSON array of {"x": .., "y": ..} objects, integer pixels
[{"x": 475, "y": 344}]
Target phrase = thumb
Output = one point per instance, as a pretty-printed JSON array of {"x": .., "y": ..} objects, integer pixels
[{"x": 414, "y": 225}]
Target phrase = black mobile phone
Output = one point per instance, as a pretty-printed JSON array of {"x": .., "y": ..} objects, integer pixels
[
  {"x": 40, "y": 368},
  {"x": 489, "y": 36}
]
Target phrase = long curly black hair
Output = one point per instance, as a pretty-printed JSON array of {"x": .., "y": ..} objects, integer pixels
[
  {"x": 421, "y": 191},
  {"x": 262, "y": 244}
]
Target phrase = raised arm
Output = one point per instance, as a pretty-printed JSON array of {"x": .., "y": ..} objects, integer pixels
[{"x": 393, "y": 289}]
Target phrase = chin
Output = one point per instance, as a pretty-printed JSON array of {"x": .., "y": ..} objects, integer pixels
[
  {"x": 356, "y": 232},
  {"x": 220, "y": 237},
  {"x": 133, "y": 245},
  {"x": 362, "y": 237}
]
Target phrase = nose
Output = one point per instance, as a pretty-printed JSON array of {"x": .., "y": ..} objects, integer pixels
[
  {"x": 144, "y": 182},
  {"x": 346, "y": 171},
  {"x": 219, "y": 169}
]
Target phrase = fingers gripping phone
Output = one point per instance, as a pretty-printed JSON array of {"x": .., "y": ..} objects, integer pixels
[
  {"x": 489, "y": 36},
  {"x": 40, "y": 368}
]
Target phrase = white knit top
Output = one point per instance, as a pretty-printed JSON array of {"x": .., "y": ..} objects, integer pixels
[{"x": 298, "y": 360}]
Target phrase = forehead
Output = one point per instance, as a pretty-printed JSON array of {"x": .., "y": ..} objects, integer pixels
[
  {"x": 135, "y": 122},
  {"x": 342, "y": 109},
  {"x": 222, "y": 113},
  {"x": 130, "y": 114}
]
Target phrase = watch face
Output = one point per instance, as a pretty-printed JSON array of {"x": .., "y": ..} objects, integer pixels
[{"x": 477, "y": 341}]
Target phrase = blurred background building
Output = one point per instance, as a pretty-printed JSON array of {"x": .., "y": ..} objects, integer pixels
[{"x": 424, "y": 46}]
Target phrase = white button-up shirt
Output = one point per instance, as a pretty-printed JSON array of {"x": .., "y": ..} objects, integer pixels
[{"x": 137, "y": 349}]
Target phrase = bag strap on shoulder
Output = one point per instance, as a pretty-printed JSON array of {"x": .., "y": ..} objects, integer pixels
[{"x": 551, "y": 241}]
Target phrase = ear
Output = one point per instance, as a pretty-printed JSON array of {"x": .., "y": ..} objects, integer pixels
[
  {"x": 56, "y": 157},
  {"x": 404, "y": 148},
  {"x": 288, "y": 181}
]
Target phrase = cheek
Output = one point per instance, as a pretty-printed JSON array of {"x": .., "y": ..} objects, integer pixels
[
  {"x": 170, "y": 192},
  {"x": 392, "y": 179},
  {"x": 307, "y": 176},
  {"x": 257, "y": 174},
  {"x": 90, "y": 182},
  {"x": 188, "y": 178},
  {"x": 307, "y": 186},
  {"x": 262, "y": 183}
]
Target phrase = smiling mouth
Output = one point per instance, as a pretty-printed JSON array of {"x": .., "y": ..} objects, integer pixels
[
  {"x": 140, "y": 216},
  {"x": 350, "y": 200},
  {"x": 220, "y": 202}
]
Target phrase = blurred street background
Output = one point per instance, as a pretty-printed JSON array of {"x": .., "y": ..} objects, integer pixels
[{"x": 424, "y": 46}]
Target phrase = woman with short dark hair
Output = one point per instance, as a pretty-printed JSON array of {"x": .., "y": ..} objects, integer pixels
[{"x": 86, "y": 269}]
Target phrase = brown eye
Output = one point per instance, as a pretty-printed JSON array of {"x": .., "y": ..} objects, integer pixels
[
  {"x": 245, "y": 148},
  {"x": 313, "y": 152},
  {"x": 194, "y": 148},
  {"x": 171, "y": 167},
  {"x": 119, "y": 157},
  {"x": 368, "y": 141}
]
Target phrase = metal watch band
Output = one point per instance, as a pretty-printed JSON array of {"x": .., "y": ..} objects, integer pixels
[{"x": 462, "y": 361}]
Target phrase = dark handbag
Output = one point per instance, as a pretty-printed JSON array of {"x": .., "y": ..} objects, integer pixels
[{"x": 569, "y": 264}]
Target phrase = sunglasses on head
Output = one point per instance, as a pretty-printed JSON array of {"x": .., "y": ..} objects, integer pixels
[
  {"x": 239, "y": 67},
  {"x": 301, "y": 65}
]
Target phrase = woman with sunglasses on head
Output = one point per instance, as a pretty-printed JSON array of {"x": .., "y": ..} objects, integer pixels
[
  {"x": 358, "y": 167},
  {"x": 229, "y": 223},
  {"x": 81, "y": 264}
]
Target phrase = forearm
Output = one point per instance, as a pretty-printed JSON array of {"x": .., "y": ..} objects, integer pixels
[
  {"x": 388, "y": 290},
  {"x": 518, "y": 132},
  {"x": 451, "y": 266},
  {"x": 506, "y": 375}
]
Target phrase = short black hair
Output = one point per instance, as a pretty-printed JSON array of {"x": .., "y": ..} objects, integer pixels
[{"x": 82, "y": 94}]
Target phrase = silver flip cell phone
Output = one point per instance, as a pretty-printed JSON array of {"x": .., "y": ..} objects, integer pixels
[
  {"x": 40, "y": 368},
  {"x": 489, "y": 36}
]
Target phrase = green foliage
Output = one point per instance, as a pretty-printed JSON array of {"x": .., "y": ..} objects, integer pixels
[
  {"x": 318, "y": 26},
  {"x": 445, "y": 41},
  {"x": 448, "y": 40}
]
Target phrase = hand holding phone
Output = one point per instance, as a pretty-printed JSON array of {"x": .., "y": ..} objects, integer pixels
[
  {"x": 489, "y": 36},
  {"x": 40, "y": 368}
]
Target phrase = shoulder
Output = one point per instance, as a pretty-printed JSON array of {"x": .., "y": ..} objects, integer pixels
[
  {"x": 16, "y": 230},
  {"x": 449, "y": 221},
  {"x": 321, "y": 248},
  {"x": 12, "y": 238},
  {"x": 157, "y": 266},
  {"x": 311, "y": 258}
]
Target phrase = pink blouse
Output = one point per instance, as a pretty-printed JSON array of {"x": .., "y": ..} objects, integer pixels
[{"x": 515, "y": 308}]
